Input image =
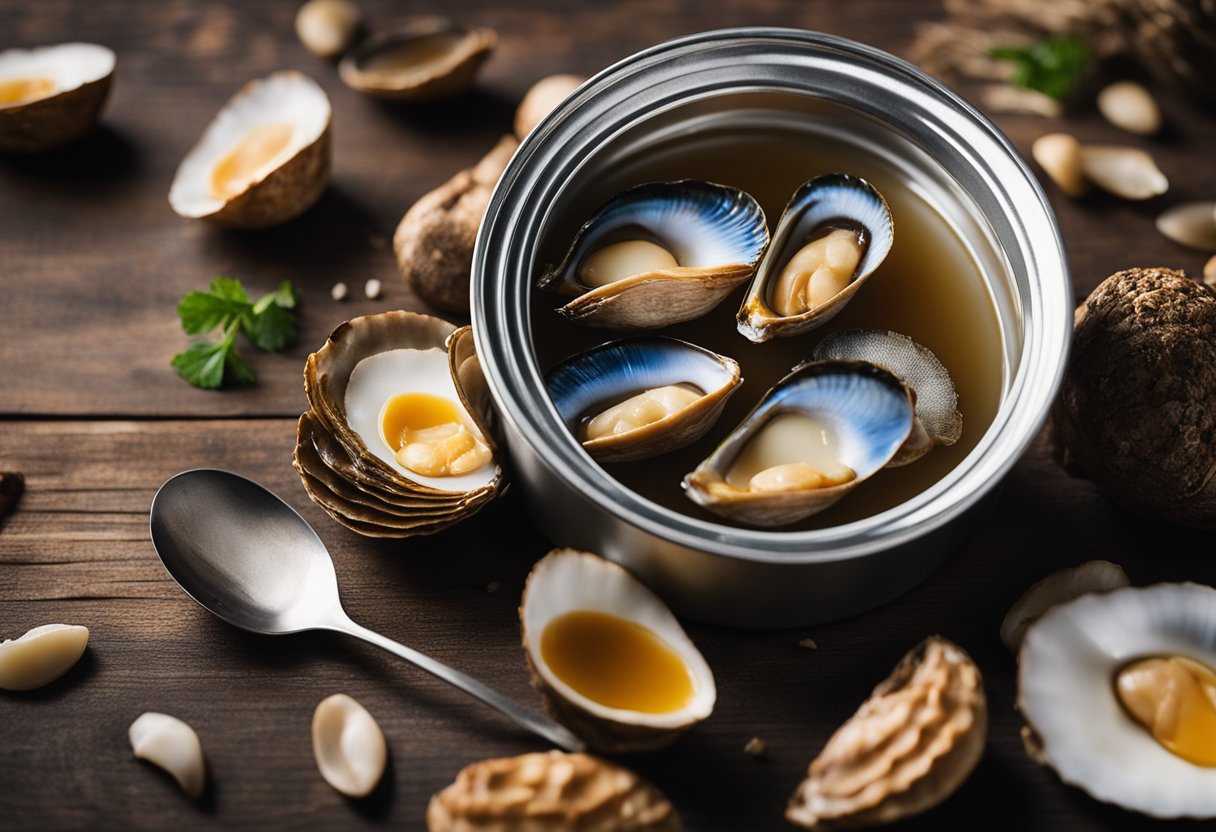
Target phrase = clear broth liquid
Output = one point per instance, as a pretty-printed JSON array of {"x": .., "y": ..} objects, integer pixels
[{"x": 929, "y": 288}]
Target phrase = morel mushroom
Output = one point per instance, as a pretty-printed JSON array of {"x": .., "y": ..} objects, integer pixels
[{"x": 1137, "y": 412}]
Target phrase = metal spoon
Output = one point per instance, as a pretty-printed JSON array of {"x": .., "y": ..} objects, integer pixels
[{"x": 247, "y": 556}]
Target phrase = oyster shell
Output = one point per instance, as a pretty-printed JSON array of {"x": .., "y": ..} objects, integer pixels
[
  {"x": 825, "y": 203},
  {"x": 706, "y": 238},
  {"x": 263, "y": 160},
  {"x": 908, "y": 747},
  {"x": 428, "y": 59},
  {"x": 550, "y": 792},
  {"x": 1075, "y": 723},
  {"x": 936, "y": 399},
  {"x": 347, "y": 466},
  {"x": 567, "y": 581},
  {"x": 863, "y": 413},
  {"x": 584, "y": 385},
  {"x": 52, "y": 95}
]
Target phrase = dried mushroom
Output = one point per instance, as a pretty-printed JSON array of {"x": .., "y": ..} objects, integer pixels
[
  {"x": 908, "y": 747},
  {"x": 1137, "y": 410},
  {"x": 434, "y": 240},
  {"x": 541, "y": 99},
  {"x": 550, "y": 792}
]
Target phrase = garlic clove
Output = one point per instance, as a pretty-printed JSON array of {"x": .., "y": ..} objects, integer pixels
[
  {"x": 1190, "y": 224},
  {"x": 327, "y": 28},
  {"x": 1126, "y": 172},
  {"x": 1130, "y": 106},
  {"x": 171, "y": 744},
  {"x": 348, "y": 745},
  {"x": 1059, "y": 155},
  {"x": 541, "y": 99},
  {"x": 1056, "y": 588},
  {"x": 41, "y": 656}
]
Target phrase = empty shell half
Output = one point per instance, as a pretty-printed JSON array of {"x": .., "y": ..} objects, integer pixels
[
  {"x": 659, "y": 254},
  {"x": 610, "y": 659},
  {"x": 263, "y": 160},
  {"x": 641, "y": 397},
  {"x": 41, "y": 656},
  {"x": 550, "y": 792},
  {"x": 51, "y": 95},
  {"x": 171, "y": 744},
  {"x": 428, "y": 59},
  {"x": 1056, "y": 588},
  {"x": 815, "y": 436},
  {"x": 836, "y": 230},
  {"x": 348, "y": 745},
  {"x": 908, "y": 747}
]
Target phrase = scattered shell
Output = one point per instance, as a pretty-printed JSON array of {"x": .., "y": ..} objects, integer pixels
[
  {"x": 755, "y": 747},
  {"x": 908, "y": 747},
  {"x": 1059, "y": 155},
  {"x": 1005, "y": 98},
  {"x": 327, "y": 28},
  {"x": 567, "y": 581},
  {"x": 171, "y": 744},
  {"x": 1075, "y": 722},
  {"x": 1190, "y": 224},
  {"x": 348, "y": 745},
  {"x": 263, "y": 160},
  {"x": 372, "y": 289},
  {"x": 52, "y": 95},
  {"x": 1209, "y": 277},
  {"x": 584, "y": 385},
  {"x": 1127, "y": 172},
  {"x": 542, "y": 99},
  {"x": 434, "y": 240},
  {"x": 339, "y": 291},
  {"x": 1056, "y": 588},
  {"x": 12, "y": 486},
  {"x": 550, "y": 792},
  {"x": 41, "y": 656},
  {"x": 430, "y": 58},
  {"x": 1130, "y": 106},
  {"x": 808, "y": 644}
]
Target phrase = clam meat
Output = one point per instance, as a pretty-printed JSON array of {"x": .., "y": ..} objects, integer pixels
[
  {"x": 820, "y": 432},
  {"x": 836, "y": 230},
  {"x": 659, "y": 254},
  {"x": 640, "y": 397}
]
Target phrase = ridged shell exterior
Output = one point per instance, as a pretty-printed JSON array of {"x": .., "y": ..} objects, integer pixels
[
  {"x": 611, "y": 372},
  {"x": 351, "y": 484},
  {"x": 550, "y": 792},
  {"x": 908, "y": 747},
  {"x": 717, "y": 234},
  {"x": 452, "y": 74},
  {"x": 66, "y": 116},
  {"x": 1074, "y": 722},
  {"x": 870, "y": 409},
  {"x": 832, "y": 200},
  {"x": 567, "y": 580}
]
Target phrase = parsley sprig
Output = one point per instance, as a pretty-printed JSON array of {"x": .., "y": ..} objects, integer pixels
[
  {"x": 269, "y": 324},
  {"x": 1053, "y": 67}
]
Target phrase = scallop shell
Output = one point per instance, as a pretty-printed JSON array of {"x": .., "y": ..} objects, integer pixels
[
  {"x": 566, "y": 581},
  {"x": 832, "y": 200},
  {"x": 871, "y": 410},
  {"x": 81, "y": 74},
  {"x": 716, "y": 234},
  {"x": 291, "y": 182},
  {"x": 1075, "y": 723},
  {"x": 446, "y": 59},
  {"x": 611, "y": 372}
]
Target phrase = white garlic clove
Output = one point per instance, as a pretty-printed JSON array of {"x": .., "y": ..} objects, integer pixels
[
  {"x": 372, "y": 289},
  {"x": 1130, "y": 106},
  {"x": 41, "y": 656},
  {"x": 541, "y": 99},
  {"x": 348, "y": 745},
  {"x": 1056, "y": 588},
  {"x": 1126, "y": 172},
  {"x": 327, "y": 28},
  {"x": 1059, "y": 155},
  {"x": 1191, "y": 224},
  {"x": 1005, "y": 98},
  {"x": 171, "y": 744}
]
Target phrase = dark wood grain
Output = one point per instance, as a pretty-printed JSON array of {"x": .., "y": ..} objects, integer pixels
[{"x": 92, "y": 262}]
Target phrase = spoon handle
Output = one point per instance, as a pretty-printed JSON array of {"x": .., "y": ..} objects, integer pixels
[{"x": 535, "y": 723}]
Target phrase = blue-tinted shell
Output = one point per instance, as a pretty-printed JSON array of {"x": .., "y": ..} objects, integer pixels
[
  {"x": 832, "y": 200},
  {"x": 590, "y": 382},
  {"x": 717, "y": 235}
]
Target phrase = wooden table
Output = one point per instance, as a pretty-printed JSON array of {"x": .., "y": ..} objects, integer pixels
[{"x": 92, "y": 263}]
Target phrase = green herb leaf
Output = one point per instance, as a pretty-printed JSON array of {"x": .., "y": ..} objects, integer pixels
[
  {"x": 1053, "y": 67},
  {"x": 202, "y": 364},
  {"x": 229, "y": 289},
  {"x": 274, "y": 329},
  {"x": 201, "y": 312}
]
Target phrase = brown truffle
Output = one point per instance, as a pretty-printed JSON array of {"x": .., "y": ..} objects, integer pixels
[
  {"x": 1137, "y": 412},
  {"x": 434, "y": 240}
]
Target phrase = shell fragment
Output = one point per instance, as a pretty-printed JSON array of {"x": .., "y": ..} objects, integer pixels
[{"x": 1056, "y": 588}]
